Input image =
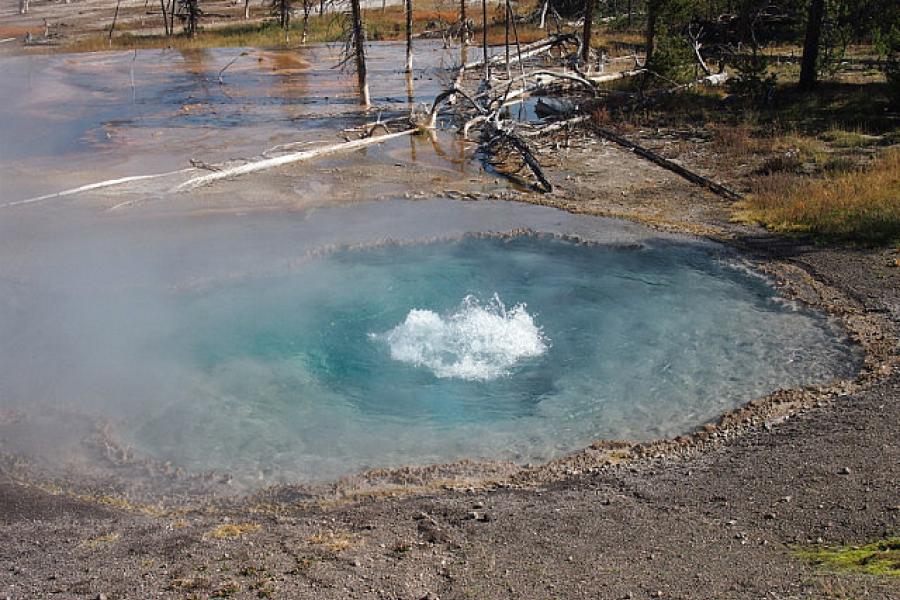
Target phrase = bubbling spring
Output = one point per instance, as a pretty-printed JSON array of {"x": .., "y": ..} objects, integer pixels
[
  {"x": 518, "y": 347},
  {"x": 475, "y": 342}
]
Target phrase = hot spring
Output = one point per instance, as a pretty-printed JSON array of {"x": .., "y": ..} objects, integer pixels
[{"x": 306, "y": 346}]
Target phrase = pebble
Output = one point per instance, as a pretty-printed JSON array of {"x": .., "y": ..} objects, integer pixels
[
  {"x": 478, "y": 516},
  {"x": 769, "y": 516},
  {"x": 845, "y": 471}
]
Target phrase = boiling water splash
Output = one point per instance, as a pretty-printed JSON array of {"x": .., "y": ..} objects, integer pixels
[{"x": 477, "y": 342}]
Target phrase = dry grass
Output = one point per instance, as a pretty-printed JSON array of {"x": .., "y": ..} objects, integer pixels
[
  {"x": 232, "y": 530},
  {"x": 862, "y": 205},
  {"x": 792, "y": 152},
  {"x": 739, "y": 141},
  {"x": 333, "y": 542}
]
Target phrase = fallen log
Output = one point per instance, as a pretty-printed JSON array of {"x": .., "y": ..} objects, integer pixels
[
  {"x": 527, "y": 51},
  {"x": 555, "y": 126},
  {"x": 269, "y": 163},
  {"x": 614, "y": 76},
  {"x": 93, "y": 186},
  {"x": 665, "y": 163},
  {"x": 496, "y": 138}
]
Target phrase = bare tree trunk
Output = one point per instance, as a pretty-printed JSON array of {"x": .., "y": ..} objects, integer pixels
[
  {"x": 410, "y": 90},
  {"x": 809, "y": 68},
  {"x": 162, "y": 5},
  {"x": 630, "y": 13},
  {"x": 650, "y": 39},
  {"x": 307, "y": 8},
  {"x": 172, "y": 16},
  {"x": 586, "y": 34},
  {"x": 246, "y": 9},
  {"x": 506, "y": 40},
  {"x": 409, "y": 25},
  {"x": 284, "y": 12},
  {"x": 359, "y": 49},
  {"x": 115, "y": 17},
  {"x": 464, "y": 23},
  {"x": 484, "y": 44},
  {"x": 23, "y": 6}
]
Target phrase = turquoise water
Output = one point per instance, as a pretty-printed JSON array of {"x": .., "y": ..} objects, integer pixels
[{"x": 518, "y": 348}]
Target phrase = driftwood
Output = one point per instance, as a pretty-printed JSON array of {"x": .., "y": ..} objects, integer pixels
[
  {"x": 499, "y": 141},
  {"x": 614, "y": 76},
  {"x": 527, "y": 51},
  {"x": 293, "y": 157},
  {"x": 93, "y": 186}
]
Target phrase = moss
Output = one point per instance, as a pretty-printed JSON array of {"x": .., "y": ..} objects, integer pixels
[{"x": 878, "y": 558}]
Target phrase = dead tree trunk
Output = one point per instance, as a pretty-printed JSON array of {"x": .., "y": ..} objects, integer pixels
[
  {"x": 359, "y": 50},
  {"x": 506, "y": 38},
  {"x": 246, "y": 9},
  {"x": 307, "y": 9},
  {"x": 586, "y": 34},
  {"x": 809, "y": 67},
  {"x": 283, "y": 9},
  {"x": 23, "y": 6},
  {"x": 115, "y": 17},
  {"x": 650, "y": 38},
  {"x": 409, "y": 26},
  {"x": 162, "y": 5},
  {"x": 463, "y": 23},
  {"x": 665, "y": 163},
  {"x": 191, "y": 14},
  {"x": 484, "y": 44}
]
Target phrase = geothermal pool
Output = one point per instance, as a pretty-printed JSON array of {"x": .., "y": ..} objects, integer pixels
[{"x": 305, "y": 346}]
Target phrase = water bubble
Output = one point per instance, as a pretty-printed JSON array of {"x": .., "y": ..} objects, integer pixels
[{"x": 477, "y": 342}]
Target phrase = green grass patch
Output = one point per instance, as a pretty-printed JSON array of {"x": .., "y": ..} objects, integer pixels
[
  {"x": 841, "y": 138},
  {"x": 878, "y": 558}
]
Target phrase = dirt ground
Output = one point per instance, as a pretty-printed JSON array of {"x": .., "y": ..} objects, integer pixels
[{"x": 716, "y": 514}]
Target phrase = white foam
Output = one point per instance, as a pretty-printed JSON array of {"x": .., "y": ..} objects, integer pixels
[{"x": 477, "y": 342}]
